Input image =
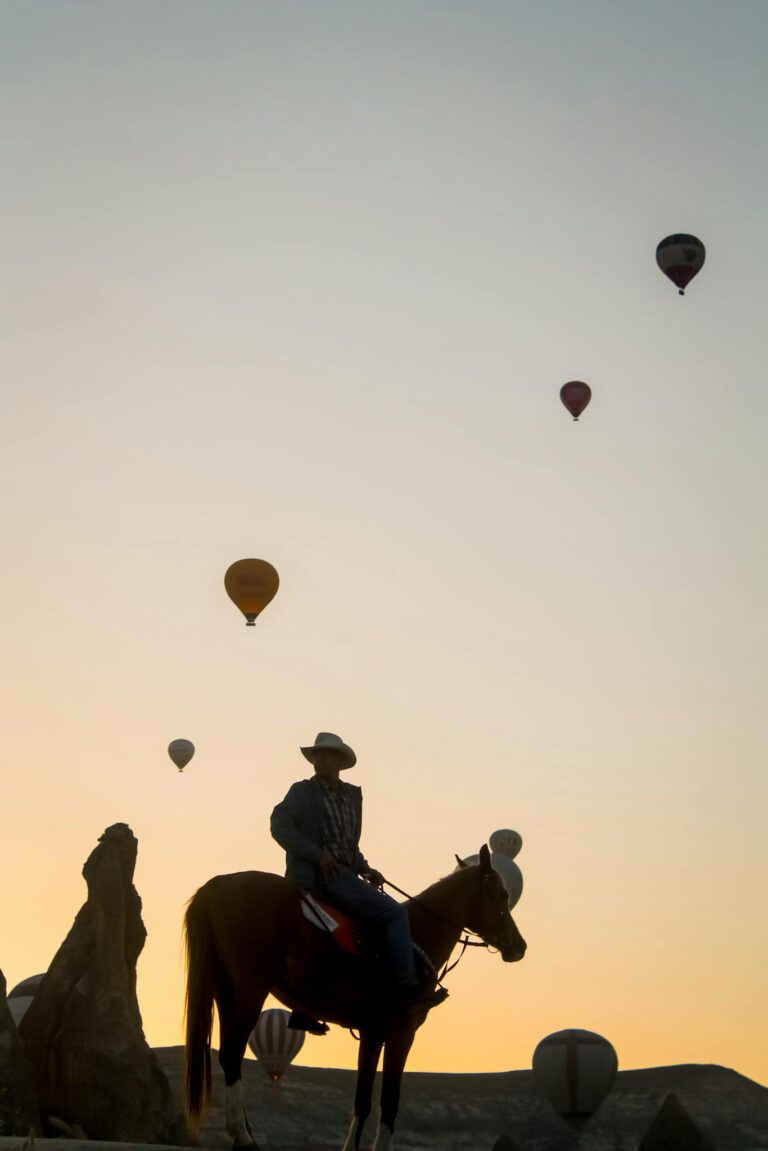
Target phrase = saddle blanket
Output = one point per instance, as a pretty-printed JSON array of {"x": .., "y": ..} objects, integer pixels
[{"x": 338, "y": 925}]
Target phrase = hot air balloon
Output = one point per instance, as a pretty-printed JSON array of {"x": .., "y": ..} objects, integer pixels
[
  {"x": 20, "y": 997},
  {"x": 575, "y": 395},
  {"x": 575, "y": 1070},
  {"x": 251, "y": 584},
  {"x": 680, "y": 258},
  {"x": 181, "y": 751},
  {"x": 508, "y": 870},
  {"x": 505, "y": 842},
  {"x": 274, "y": 1043}
]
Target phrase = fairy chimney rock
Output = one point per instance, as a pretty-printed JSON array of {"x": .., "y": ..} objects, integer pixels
[
  {"x": 674, "y": 1129},
  {"x": 83, "y": 1030},
  {"x": 19, "y": 1107}
]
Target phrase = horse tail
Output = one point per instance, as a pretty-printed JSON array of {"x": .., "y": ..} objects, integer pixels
[{"x": 198, "y": 1008}]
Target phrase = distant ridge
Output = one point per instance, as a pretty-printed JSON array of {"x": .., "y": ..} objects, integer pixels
[{"x": 310, "y": 1108}]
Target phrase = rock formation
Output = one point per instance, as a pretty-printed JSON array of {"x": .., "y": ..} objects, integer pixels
[
  {"x": 673, "y": 1129},
  {"x": 83, "y": 1032},
  {"x": 19, "y": 1107}
]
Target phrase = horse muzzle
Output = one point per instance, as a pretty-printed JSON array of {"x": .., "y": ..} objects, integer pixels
[{"x": 513, "y": 950}]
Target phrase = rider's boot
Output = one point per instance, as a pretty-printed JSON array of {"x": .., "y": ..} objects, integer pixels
[
  {"x": 418, "y": 996},
  {"x": 299, "y": 1021}
]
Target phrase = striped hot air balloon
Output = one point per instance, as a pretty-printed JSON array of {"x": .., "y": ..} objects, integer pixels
[
  {"x": 20, "y": 997},
  {"x": 274, "y": 1043},
  {"x": 575, "y": 1070}
]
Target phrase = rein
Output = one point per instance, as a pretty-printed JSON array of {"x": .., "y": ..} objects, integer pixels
[{"x": 465, "y": 941}]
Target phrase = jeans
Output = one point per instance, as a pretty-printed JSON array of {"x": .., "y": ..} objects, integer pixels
[{"x": 360, "y": 899}]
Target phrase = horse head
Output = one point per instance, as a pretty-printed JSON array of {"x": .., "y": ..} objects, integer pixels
[{"x": 489, "y": 915}]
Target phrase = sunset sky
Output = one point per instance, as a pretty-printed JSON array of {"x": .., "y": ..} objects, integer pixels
[{"x": 301, "y": 280}]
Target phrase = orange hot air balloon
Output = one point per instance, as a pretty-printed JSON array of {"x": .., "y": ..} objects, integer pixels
[
  {"x": 575, "y": 395},
  {"x": 251, "y": 584}
]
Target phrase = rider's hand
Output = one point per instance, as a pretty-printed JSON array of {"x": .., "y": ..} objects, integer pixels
[
  {"x": 329, "y": 866},
  {"x": 375, "y": 877}
]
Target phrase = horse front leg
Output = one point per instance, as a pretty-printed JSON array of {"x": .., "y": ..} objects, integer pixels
[
  {"x": 396, "y": 1048},
  {"x": 367, "y": 1061}
]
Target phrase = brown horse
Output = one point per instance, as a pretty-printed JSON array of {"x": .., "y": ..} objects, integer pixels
[{"x": 246, "y": 936}]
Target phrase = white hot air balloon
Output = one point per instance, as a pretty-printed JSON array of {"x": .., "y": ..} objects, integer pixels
[
  {"x": 505, "y": 842},
  {"x": 274, "y": 1043},
  {"x": 575, "y": 1070},
  {"x": 20, "y": 997},
  {"x": 504, "y": 845}
]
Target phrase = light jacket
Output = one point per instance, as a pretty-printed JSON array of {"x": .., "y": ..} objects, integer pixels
[{"x": 297, "y": 825}]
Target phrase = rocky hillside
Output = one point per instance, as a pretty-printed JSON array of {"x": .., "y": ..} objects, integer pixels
[{"x": 310, "y": 1109}]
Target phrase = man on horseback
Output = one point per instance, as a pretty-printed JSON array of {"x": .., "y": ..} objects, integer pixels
[{"x": 319, "y": 824}]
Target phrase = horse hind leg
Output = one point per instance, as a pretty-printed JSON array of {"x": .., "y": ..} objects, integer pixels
[
  {"x": 367, "y": 1061},
  {"x": 236, "y": 1117},
  {"x": 233, "y": 1040}
]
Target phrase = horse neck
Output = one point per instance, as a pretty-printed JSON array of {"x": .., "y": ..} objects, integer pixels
[{"x": 439, "y": 915}]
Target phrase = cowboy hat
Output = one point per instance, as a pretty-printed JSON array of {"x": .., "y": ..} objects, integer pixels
[{"x": 327, "y": 741}]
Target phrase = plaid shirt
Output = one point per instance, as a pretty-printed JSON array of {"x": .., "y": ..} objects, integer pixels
[{"x": 339, "y": 836}]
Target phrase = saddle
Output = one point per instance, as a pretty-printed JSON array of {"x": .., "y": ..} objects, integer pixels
[{"x": 352, "y": 937}]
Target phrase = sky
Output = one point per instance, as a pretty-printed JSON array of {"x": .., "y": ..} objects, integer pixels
[{"x": 301, "y": 281}]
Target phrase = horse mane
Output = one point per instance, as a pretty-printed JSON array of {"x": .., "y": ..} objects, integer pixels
[{"x": 441, "y": 884}]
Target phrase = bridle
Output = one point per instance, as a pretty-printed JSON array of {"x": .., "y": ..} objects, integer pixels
[
  {"x": 464, "y": 934},
  {"x": 464, "y": 937}
]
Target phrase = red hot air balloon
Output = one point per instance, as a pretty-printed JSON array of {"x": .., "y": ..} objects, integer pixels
[
  {"x": 680, "y": 257},
  {"x": 274, "y": 1043},
  {"x": 575, "y": 395},
  {"x": 575, "y": 1070}
]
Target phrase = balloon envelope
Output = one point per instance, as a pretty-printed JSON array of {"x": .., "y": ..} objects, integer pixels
[
  {"x": 575, "y": 1070},
  {"x": 680, "y": 257},
  {"x": 251, "y": 584},
  {"x": 505, "y": 842},
  {"x": 181, "y": 751},
  {"x": 510, "y": 873},
  {"x": 575, "y": 395},
  {"x": 20, "y": 997},
  {"x": 274, "y": 1043}
]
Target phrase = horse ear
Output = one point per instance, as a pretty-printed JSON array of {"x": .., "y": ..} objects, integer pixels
[
  {"x": 461, "y": 862},
  {"x": 485, "y": 858}
]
